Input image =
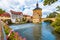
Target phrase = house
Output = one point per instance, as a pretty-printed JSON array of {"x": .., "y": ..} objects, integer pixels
[
  {"x": 5, "y": 17},
  {"x": 16, "y": 16},
  {"x": 27, "y": 18}
]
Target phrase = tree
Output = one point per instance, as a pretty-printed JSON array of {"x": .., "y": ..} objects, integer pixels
[
  {"x": 17, "y": 20},
  {"x": 58, "y": 8},
  {"x": 56, "y": 24},
  {"x": 48, "y": 2},
  {"x": 52, "y": 15},
  {"x": 1, "y": 11}
]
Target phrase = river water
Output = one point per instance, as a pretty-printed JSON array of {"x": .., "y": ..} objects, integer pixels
[{"x": 30, "y": 31}]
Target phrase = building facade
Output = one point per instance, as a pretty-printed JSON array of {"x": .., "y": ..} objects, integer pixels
[
  {"x": 28, "y": 18},
  {"x": 16, "y": 16},
  {"x": 6, "y": 17},
  {"x": 37, "y": 14}
]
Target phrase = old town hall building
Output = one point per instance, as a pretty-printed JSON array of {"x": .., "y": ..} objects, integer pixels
[{"x": 37, "y": 14}]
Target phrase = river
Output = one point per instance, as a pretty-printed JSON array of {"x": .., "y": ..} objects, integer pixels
[{"x": 30, "y": 31}]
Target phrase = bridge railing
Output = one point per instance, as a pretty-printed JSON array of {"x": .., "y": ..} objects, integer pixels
[{"x": 2, "y": 33}]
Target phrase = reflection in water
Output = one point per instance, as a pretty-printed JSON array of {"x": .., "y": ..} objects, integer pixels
[
  {"x": 31, "y": 31},
  {"x": 47, "y": 32},
  {"x": 37, "y": 31}
]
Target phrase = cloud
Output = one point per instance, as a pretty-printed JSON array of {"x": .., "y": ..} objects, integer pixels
[
  {"x": 27, "y": 6},
  {"x": 44, "y": 16},
  {"x": 28, "y": 12}
]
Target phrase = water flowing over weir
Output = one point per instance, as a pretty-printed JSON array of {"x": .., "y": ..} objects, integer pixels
[{"x": 42, "y": 31}]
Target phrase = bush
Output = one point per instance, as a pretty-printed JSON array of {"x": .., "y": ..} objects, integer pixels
[
  {"x": 57, "y": 29},
  {"x": 56, "y": 24},
  {"x": 11, "y": 37}
]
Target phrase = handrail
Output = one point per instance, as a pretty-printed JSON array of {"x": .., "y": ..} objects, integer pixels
[{"x": 3, "y": 32}]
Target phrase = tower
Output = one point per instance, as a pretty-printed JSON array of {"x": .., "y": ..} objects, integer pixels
[{"x": 37, "y": 14}]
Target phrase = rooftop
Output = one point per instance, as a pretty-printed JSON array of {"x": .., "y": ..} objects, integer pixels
[
  {"x": 37, "y": 7},
  {"x": 27, "y": 15},
  {"x": 5, "y": 14},
  {"x": 16, "y": 13}
]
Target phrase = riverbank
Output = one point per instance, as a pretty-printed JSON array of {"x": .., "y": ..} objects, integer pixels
[
  {"x": 11, "y": 35},
  {"x": 31, "y": 31}
]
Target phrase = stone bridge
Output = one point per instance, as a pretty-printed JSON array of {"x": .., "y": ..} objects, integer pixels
[
  {"x": 5, "y": 18},
  {"x": 43, "y": 19},
  {"x": 52, "y": 19}
]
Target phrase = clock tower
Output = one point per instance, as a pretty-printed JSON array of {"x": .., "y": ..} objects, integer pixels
[{"x": 37, "y": 14}]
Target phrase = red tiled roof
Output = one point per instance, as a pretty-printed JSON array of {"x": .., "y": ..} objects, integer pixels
[
  {"x": 5, "y": 14},
  {"x": 16, "y": 13},
  {"x": 27, "y": 15},
  {"x": 0, "y": 14}
]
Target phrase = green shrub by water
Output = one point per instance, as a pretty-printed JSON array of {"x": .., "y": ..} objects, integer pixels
[{"x": 56, "y": 24}]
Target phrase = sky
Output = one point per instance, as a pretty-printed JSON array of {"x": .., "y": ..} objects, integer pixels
[{"x": 27, "y": 6}]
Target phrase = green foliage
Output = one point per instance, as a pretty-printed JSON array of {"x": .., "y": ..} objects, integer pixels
[
  {"x": 12, "y": 36},
  {"x": 57, "y": 29},
  {"x": 17, "y": 20},
  {"x": 1, "y": 11},
  {"x": 7, "y": 29},
  {"x": 52, "y": 15},
  {"x": 58, "y": 8},
  {"x": 56, "y": 24},
  {"x": 48, "y": 2}
]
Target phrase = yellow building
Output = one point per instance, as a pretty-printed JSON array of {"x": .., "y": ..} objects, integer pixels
[{"x": 37, "y": 14}]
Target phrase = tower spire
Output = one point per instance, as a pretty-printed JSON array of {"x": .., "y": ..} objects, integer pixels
[{"x": 37, "y": 5}]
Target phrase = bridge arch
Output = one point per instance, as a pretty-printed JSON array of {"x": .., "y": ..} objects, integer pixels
[{"x": 50, "y": 19}]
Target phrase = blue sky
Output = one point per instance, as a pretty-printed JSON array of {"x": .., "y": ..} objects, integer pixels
[{"x": 26, "y": 6}]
